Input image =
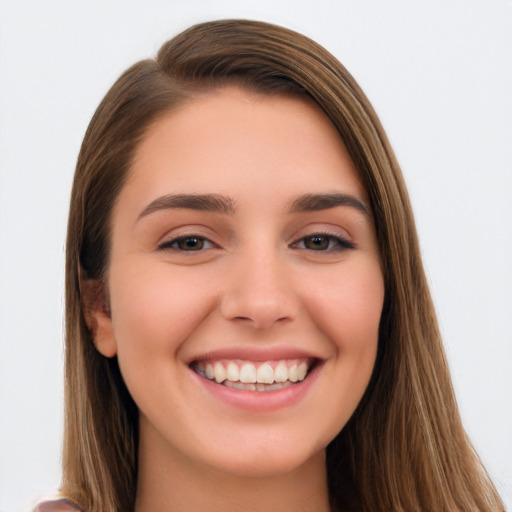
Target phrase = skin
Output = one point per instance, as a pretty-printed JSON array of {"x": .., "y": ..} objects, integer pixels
[{"x": 257, "y": 282}]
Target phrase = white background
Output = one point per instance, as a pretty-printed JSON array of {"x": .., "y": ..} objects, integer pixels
[{"x": 439, "y": 75}]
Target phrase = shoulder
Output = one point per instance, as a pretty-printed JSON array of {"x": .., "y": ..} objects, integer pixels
[{"x": 59, "y": 505}]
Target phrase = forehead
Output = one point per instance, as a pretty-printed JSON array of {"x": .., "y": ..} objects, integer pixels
[{"x": 238, "y": 142}]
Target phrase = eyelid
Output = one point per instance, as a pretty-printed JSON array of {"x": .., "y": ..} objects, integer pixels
[
  {"x": 341, "y": 238},
  {"x": 167, "y": 244},
  {"x": 341, "y": 243},
  {"x": 334, "y": 231},
  {"x": 187, "y": 231}
]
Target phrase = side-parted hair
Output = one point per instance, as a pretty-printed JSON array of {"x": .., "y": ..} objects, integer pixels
[{"x": 404, "y": 449}]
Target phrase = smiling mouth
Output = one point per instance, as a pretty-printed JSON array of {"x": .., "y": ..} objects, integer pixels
[{"x": 255, "y": 376}]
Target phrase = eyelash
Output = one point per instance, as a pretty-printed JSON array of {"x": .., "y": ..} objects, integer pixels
[
  {"x": 334, "y": 243},
  {"x": 174, "y": 243}
]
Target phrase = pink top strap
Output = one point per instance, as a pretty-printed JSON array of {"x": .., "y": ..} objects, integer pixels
[{"x": 60, "y": 505}]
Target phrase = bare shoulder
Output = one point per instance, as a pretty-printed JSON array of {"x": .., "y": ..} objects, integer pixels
[{"x": 59, "y": 505}]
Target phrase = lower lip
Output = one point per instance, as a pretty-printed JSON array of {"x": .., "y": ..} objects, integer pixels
[{"x": 260, "y": 401}]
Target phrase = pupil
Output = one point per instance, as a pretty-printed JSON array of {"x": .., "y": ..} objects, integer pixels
[
  {"x": 318, "y": 242},
  {"x": 191, "y": 242}
]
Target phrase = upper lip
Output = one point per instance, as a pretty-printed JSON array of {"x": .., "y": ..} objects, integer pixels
[{"x": 255, "y": 353}]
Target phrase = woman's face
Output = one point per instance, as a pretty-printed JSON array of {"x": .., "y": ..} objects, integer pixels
[{"x": 243, "y": 249}]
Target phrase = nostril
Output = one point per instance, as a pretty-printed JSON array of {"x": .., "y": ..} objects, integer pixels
[
  {"x": 259, "y": 321},
  {"x": 258, "y": 312}
]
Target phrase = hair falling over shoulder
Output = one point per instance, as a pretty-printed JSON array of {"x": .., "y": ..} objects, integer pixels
[{"x": 404, "y": 449}]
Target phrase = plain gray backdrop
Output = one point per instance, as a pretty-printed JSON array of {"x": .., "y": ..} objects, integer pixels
[{"x": 439, "y": 75}]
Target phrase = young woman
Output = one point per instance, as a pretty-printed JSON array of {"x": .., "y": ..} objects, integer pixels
[{"x": 248, "y": 320}]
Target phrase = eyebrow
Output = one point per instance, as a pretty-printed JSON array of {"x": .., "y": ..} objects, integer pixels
[
  {"x": 222, "y": 204},
  {"x": 314, "y": 202},
  {"x": 202, "y": 202}
]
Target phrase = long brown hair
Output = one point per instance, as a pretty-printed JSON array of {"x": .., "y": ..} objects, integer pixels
[{"x": 404, "y": 449}]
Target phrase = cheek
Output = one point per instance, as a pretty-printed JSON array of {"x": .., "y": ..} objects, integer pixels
[
  {"x": 153, "y": 312},
  {"x": 345, "y": 308},
  {"x": 348, "y": 308}
]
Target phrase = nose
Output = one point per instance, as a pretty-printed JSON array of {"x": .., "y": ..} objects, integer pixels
[{"x": 259, "y": 292}]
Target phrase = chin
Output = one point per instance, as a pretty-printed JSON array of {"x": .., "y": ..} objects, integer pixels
[{"x": 266, "y": 461}]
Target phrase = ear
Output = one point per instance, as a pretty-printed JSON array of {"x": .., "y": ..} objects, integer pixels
[{"x": 96, "y": 311}]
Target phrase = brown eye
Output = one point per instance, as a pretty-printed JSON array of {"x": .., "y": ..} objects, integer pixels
[
  {"x": 317, "y": 242},
  {"x": 187, "y": 244},
  {"x": 190, "y": 243}
]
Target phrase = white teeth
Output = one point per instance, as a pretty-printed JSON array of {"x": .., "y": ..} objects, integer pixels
[
  {"x": 278, "y": 386},
  {"x": 232, "y": 372},
  {"x": 265, "y": 374},
  {"x": 292, "y": 373},
  {"x": 236, "y": 385},
  {"x": 220, "y": 372},
  {"x": 302, "y": 370},
  {"x": 248, "y": 373},
  {"x": 256, "y": 387},
  {"x": 268, "y": 376},
  {"x": 281, "y": 372}
]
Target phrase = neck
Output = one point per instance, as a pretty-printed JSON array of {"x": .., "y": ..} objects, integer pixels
[{"x": 167, "y": 481}]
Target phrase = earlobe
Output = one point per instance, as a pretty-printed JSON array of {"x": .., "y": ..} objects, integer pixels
[{"x": 96, "y": 311}]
